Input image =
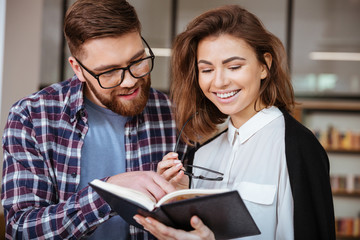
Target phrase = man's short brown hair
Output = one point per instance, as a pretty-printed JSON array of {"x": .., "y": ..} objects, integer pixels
[{"x": 89, "y": 19}]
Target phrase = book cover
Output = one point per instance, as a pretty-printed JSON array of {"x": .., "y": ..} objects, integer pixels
[{"x": 223, "y": 211}]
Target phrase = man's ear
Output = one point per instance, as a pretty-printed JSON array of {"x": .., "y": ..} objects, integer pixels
[
  {"x": 268, "y": 60},
  {"x": 76, "y": 68}
]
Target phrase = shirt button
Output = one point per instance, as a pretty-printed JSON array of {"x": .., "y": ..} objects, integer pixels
[
  {"x": 73, "y": 174},
  {"x": 82, "y": 113},
  {"x": 101, "y": 214},
  {"x": 79, "y": 134}
]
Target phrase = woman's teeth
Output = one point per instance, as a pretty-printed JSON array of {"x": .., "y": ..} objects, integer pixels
[{"x": 226, "y": 95}]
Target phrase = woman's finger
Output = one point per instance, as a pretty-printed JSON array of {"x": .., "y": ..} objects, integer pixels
[
  {"x": 172, "y": 171},
  {"x": 201, "y": 229},
  {"x": 167, "y": 162}
]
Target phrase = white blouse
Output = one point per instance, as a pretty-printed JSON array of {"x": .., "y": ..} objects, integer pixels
[{"x": 253, "y": 161}]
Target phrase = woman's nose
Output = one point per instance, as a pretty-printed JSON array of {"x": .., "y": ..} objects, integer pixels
[{"x": 220, "y": 78}]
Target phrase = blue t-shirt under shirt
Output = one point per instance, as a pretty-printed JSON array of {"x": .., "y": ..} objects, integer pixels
[{"x": 103, "y": 155}]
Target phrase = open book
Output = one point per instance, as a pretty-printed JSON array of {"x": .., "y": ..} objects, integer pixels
[{"x": 223, "y": 211}]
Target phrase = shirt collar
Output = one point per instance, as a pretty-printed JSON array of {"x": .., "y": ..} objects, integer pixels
[
  {"x": 253, "y": 125},
  {"x": 76, "y": 97}
]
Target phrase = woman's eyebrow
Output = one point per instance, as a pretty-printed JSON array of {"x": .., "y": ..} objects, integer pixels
[
  {"x": 205, "y": 62},
  {"x": 232, "y": 59},
  {"x": 224, "y": 61}
]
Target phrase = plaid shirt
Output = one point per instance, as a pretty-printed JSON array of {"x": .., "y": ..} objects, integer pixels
[{"x": 42, "y": 145}]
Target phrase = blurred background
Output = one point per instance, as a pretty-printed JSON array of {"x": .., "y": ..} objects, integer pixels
[{"x": 322, "y": 39}]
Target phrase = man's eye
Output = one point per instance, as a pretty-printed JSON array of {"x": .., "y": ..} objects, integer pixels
[
  {"x": 137, "y": 63},
  {"x": 110, "y": 73}
]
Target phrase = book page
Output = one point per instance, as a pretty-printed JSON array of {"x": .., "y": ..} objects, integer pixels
[
  {"x": 131, "y": 195},
  {"x": 187, "y": 194}
]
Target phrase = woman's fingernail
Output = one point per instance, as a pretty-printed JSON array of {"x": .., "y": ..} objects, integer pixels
[
  {"x": 174, "y": 154},
  {"x": 136, "y": 219},
  {"x": 177, "y": 161}
]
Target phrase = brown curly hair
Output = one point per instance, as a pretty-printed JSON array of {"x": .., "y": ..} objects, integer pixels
[{"x": 185, "y": 92}]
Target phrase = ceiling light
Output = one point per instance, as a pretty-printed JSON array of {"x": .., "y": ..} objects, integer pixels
[
  {"x": 161, "y": 52},
  {"x": 335, "y": 56}
]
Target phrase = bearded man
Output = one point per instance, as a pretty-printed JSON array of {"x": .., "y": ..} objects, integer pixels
[{"x": 105, "y": 123}]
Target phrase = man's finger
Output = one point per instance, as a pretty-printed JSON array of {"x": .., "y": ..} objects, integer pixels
[{"x": 164, "y": 185}]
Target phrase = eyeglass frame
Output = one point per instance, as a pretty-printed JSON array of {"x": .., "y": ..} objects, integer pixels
[
  {"x": 97, "y": 76},
  {"x": 190, "y": 174}
]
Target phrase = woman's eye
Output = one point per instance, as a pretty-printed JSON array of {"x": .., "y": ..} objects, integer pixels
[
  {"x": 206, "y": 70},
  {"x": 234, "y": 67}
]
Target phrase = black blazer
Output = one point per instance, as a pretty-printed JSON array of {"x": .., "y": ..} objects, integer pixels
[{"x": 308, "y": 167}]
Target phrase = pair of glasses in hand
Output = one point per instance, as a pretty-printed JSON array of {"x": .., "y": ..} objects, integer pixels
[
  {"x": 211, "y": 176},
  {"x": 215, "y": 176}
]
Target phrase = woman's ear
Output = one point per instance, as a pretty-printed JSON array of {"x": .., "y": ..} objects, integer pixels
[
  {"x": 76, "y": 68},
  {"x": 268, "y": 60}
]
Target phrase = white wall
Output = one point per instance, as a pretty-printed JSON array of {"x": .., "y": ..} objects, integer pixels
[
  {"x": 21, "y": 53},
  {"x": 2, "y": 37}
]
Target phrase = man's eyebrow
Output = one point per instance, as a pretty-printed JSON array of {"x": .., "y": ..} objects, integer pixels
[{"x": 107, "y": 67}]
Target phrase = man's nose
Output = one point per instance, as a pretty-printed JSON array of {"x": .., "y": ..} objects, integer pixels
[{"x": 128, "y": 81}]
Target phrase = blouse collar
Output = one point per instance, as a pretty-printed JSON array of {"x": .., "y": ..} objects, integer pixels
[{"x": 254, "y": 124}]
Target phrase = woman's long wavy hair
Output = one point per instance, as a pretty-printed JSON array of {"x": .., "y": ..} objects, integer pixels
[{"x": 185, "y": 92}]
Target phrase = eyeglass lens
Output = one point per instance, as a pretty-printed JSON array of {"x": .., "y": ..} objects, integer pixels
[{"x": 137, "y": 69}]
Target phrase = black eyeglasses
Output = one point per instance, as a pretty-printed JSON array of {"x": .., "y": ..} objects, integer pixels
[
  {"x": 115, "y": 77},
  {"x": 218, "y": 176}
]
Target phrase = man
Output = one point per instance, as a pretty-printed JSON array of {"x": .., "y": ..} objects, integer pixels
[{"x": 106, "y": 122}]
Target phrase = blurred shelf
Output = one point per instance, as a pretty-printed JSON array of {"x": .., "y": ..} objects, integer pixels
[
  {"x": 346, "y": 237},
  {"x": 346, "y": 194},
  {"x": 307, "y": 105},
  {"x": 346, "y": 151},
  {"x": 334, "y": 105}
]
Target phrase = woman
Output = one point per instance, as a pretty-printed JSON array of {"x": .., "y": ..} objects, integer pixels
[{"x": 226, "y": 64}]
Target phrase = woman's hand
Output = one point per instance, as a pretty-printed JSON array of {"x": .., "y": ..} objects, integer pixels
[
  {"x": 163, "y": 232},
  {"x": 170, "y": 168}
]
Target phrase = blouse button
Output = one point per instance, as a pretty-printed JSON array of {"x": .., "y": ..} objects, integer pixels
[{"x": 73, "y": 174}]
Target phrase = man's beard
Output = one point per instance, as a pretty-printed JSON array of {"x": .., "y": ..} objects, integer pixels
[{"x": 125, "y": 108}]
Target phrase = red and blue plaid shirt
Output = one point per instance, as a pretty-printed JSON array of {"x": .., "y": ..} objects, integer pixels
[{"x": 42, "y": 145}]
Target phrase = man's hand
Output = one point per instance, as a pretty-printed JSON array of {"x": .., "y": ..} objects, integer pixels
[
  {"x": 148, "y": 182},
  {"x": 163, "y": 232}
]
